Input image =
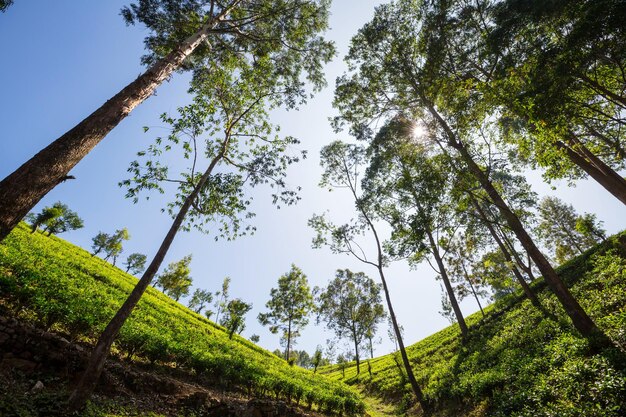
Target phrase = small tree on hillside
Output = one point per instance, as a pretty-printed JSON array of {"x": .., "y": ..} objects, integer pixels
[
  {"x": 56, "y": 219},
  {"x": 135, "y": 263},
  {"x": 255, "y": 338},
  {"x": 200, "y": 299},
  {"x": 349, "y": 305},
  {"x": 175, "y": 280},
  {"x": 234, "y": 316},
  {"x": 222, "y": 301},
  {"x": 114, "y": 245},
  {"x": 289, "y": 307}
]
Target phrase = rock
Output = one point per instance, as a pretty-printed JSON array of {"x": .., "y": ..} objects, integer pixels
[{"x": 37, "y": 387}]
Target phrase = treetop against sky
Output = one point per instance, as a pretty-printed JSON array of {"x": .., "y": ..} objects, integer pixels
[{"x": 63, "y": 59}]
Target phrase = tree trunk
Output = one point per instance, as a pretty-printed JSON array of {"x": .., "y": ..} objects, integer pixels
[
  {"x": 405, "y": 359},
  {"x": 90, "y": 377},
  {"x": 26, "y": 186},
  {"x": 356, "y": 354},
  {"x": 583, "y": 323},
  {"x": 611, "y": 181},
  {"x": 446, "y": 282},
  {"x": 288, "y": 341},
  {"x": 520, "y": 279},
  {"x": 469, "y": 281}
]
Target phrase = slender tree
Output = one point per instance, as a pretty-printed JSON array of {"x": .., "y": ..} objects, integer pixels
[
  {"x": 224, "y": 297},
  {"x": 342, "y": 166},
  {"x": 227, "y": 126},
  {"x": 348, "y": 305},
  {"x": 289, "y": 307},
  {"x": 392, "y": 70},
  {"x": 183, "y": 35},
  {"x": 411, "y": 190}
]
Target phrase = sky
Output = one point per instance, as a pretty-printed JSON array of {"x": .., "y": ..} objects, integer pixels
[{"x": 63, "y": 59}]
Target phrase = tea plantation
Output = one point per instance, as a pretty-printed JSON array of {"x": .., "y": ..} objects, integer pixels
[
  {"x": 519, "y": 361},
  {"x": 61, "y": 287}
]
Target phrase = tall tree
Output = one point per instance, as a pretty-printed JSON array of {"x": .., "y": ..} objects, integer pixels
[
  {"x": 411, "y": 189},
  {"x": 183, "y": 35},
  {"x": 398, "y": 61},
  {"x": 234, "y": 316},
  {"x": 56, "y": 219},
  {"x": 175, "y": 279},
  {"x": 289, "y": 307},
  {"x": 557, "y": 73},
  {"x": 226, "y": 128},
  {"x": 200, "y": 299},
  {"x": 348, "y": 305},
  {"x": 135, "y": 263},
  {"x": 342, "y": 169},
  {"x": 565, "y": 232}
]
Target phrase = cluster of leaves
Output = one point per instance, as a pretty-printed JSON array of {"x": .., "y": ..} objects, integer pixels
[
  {"x": 518, "y": 362},
  {"x": 64, "y": 288},
  {"x": 56, "y": 219}
]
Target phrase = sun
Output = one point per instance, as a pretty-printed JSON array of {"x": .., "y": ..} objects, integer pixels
[{"x": 419, "y": 132}]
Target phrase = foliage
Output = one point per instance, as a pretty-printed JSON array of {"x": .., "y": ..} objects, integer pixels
[
  {"x": 4, "y": 5},
  {"x": 200, "y": 299},
  {"x": 564, "y": 231},
  {"x": 289, "y": 307},
  {"x": 135, "y": 263},
  {"x": 519, "y": 362},
  {"x": 234, "y": 316},
  {"x": 175, "y": 279},
  {"x": 111, "y": 245},
  {"x": 56, "y": 219},
  {"x": 62, "y": 286},
  {"x": 350, "y": 305}
]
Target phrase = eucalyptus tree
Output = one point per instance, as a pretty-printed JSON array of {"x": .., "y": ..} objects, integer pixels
[
  {"x": 558, "y": 75},
  {"x": 289, "y": 307},
  {"x": 410, "y": 189},
  {"x": 226, "y": 130},
  {"x": 349, "y": 305},
  {"x": 182, "y": 35},
  {"x": 398, "y": 63},
  {"x": 343, "y": 164}
]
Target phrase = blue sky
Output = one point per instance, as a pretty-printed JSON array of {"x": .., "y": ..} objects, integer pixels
[{"x": 63, "y": 59}]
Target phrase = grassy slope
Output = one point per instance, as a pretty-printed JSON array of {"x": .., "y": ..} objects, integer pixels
[
  {"x": 518, "y": 362},
  {"x": 60, "y": 286}
]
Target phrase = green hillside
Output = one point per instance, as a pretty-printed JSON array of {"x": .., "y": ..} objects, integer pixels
[
  {"x": 518, "y": 361},
  {"x": 61, "y": 287}
]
